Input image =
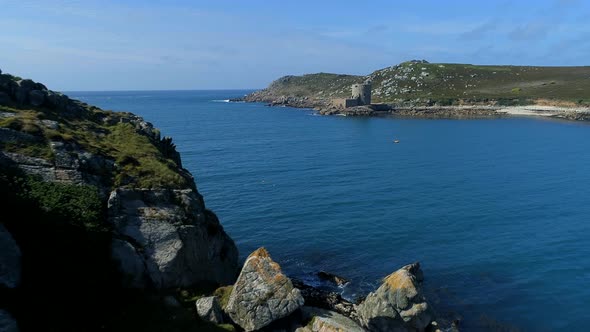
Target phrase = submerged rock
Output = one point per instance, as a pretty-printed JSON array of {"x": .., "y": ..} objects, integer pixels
[
  {"x": 398, "y": 304},
  {"x": 209, "y": 309},
  {"x": 320, "y": 298},
  {"x": 262, "y": 293},
  {"x": 339, "y": 281},
  {"x": 10, "y": 260},
  {"x": 166, "y": 238}
]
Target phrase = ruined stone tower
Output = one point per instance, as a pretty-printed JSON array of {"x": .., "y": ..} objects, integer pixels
[{"x": 362, "y": 92}]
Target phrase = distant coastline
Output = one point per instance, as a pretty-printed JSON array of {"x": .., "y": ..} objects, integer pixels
[{"x": 420, "y": 89}]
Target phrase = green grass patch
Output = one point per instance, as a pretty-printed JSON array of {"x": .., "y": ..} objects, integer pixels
[
  {"x": 80, "y": 204},
  {"x": 140, "y": 160},
  {"x": 223, "y": 294}
]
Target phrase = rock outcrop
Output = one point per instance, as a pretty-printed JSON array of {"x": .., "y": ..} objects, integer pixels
[
  {"x": 262, "y": 293},
  {"x": 7, "y": 322},
  {"x": 166, "y": 238},
  {"x": 321, "y": 320},
  {"x": 10, "y": 260},
  {"x": 398, "y": 304},
  {"x": 209, "y": 309},
  {"x": 323, "y": 299},
  {"x": 337, "y": 280}
]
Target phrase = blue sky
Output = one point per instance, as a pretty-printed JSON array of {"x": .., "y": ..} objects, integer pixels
[{"x": 152, "y": 45}]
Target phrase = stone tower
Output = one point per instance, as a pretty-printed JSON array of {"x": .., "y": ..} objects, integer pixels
[{"x": 362, "y": 93}]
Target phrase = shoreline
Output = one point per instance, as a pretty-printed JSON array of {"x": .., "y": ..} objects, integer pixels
[{"x": 430, "y": 112}]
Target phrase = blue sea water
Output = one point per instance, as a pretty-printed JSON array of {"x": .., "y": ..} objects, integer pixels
[{"x": 496, "y": 211}]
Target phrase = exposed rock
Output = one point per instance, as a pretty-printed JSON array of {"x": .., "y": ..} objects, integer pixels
[
  {"x": 70, "y": 164},
  {"x": 323, "y": 320},
  {"x": 262, "y": 293},
  {"x": 10, "y": 260},
  {"x": 339, "y": 281},
  {"x": 398, "y": 304},
  {"x": 57, "y": 100},
  {"x": 10, "y": 135},
  {"x": 166, "y": 238},
  {"x": 37, "y": 97},
  {"x": 7, "y": 322},
  {"x": 209, "y": 309},
  {"x": 326, "y": 300}
]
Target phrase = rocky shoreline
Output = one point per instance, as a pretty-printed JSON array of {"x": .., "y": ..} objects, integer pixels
[
  {"x": 263, "y": 298},
  {"x": 474, "y": 111},
  {"x": 154, "y": 238}
]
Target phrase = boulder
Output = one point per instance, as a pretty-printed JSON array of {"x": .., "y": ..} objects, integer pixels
[
  {"x": 321, "y": 320},
  {"x": 57, "y": 100},
  {"x": 4, "y": 98},
  {"x": 398, "y": 304},
  {"x": 37, "y": 97},
  {"x": 209, "y": 309},
  {"x": 166, "y": 238},
  {"x": 10, "y": 260},
  {"x": 7, "y": 322},
  {"x": 320, "y": 298},
  {"x": 262, "y": 293},
  {"x": 22, "y": 90}
]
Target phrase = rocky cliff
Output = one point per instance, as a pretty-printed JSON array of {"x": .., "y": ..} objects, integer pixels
[{"x": 104, "y": 184}]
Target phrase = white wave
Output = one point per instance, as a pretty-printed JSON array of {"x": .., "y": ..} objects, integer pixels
[{"x": 220, "y": 100}]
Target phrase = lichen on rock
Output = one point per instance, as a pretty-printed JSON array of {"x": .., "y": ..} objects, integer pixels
[
  {"x": 262, "y": 293},
  {"x": 166, "y": 238},
  {"x": 398, "y": 304}
]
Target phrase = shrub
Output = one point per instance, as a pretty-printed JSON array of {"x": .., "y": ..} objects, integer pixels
[{"x": 79, "y": 204}]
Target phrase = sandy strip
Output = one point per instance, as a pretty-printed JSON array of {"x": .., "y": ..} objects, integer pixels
[{"x": 535, "y": 110}]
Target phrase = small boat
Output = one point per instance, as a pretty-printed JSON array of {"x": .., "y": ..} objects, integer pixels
[{"x": 396, "y": 141}]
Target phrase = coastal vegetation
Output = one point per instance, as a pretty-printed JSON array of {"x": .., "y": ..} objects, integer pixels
[
  {"x": 423, "y": 83},
  {"x": 59, "y": 161}
]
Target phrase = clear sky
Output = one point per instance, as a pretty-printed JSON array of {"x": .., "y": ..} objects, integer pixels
[{"x": 159, "y": 45}]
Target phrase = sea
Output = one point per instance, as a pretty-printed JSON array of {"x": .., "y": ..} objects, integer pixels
[{"x": 497, "y": 211}]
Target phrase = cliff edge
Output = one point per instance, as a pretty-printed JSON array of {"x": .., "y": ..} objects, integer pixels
[{"x": 103, "y": 203}]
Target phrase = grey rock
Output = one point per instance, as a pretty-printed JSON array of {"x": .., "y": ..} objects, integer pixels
[
  {"x": 322, "y": 320},
  {"x": 37, "y": 97},
  {"x": 209, "y": 309},
  {"x": 398, "y": 304},
  {"x": 7, "y": 115},
  {"x": 262, "y": 293},
  {"x": 171, "y": 239},
  {"x": 303, "y": 329},
  {"x": 324, "y": 299},
  {"x": 131, "y": 262},
  {"x": 7, "y": 322},
  {"x": 50, "y": 124},
  {"x": 23, "y": 88},
  {"x": 57, "y": 100},
  {"x": 10, "y": 260},
  {"x": 10, "y": 135}
]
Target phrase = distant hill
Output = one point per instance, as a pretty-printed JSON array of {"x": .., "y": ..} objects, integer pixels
[{"x": 444, "y": 84}]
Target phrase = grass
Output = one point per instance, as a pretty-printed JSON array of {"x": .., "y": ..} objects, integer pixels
[
  {"x": 319, "y": 85},
  {"x": 140, "y": 162},
  {"x": 223, "y": 294}
]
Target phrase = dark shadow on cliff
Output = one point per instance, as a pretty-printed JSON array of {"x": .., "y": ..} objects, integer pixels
[{"x": 69, "y": 281}]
